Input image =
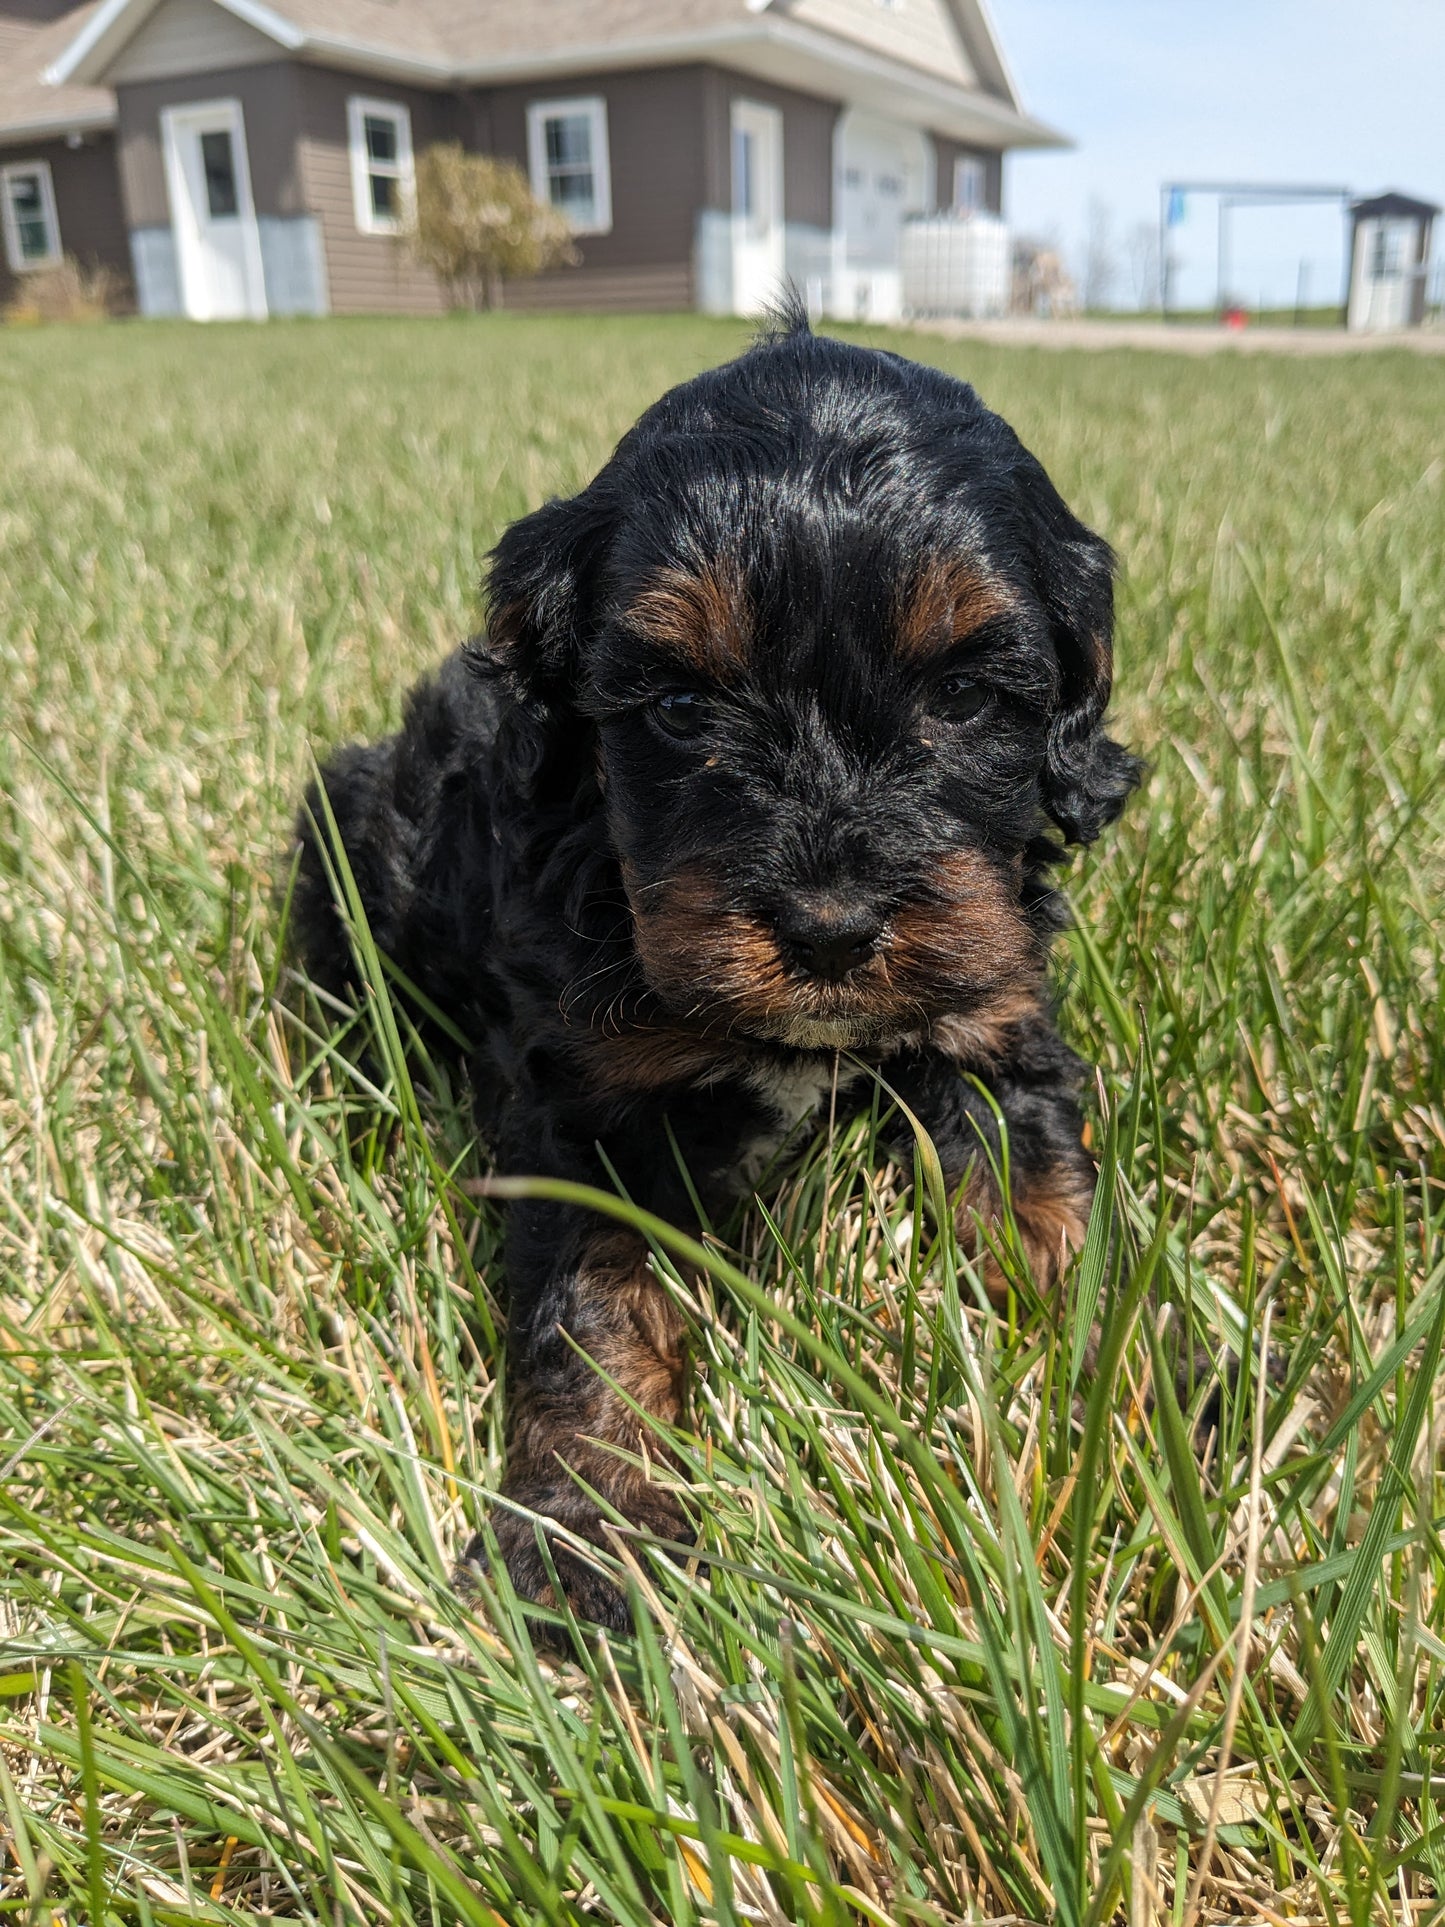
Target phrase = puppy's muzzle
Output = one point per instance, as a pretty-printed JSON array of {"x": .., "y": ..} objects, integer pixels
[{"x": 828, "y": 943}]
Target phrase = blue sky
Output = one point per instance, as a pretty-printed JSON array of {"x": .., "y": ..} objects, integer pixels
[{"x": 1284, "y": 90}]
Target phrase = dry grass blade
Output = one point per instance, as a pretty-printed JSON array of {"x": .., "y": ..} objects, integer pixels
[{"x": 993, "y": 1625}]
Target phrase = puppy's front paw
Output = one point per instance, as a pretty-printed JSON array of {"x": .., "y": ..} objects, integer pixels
[{"x": 591, "y": 1594}]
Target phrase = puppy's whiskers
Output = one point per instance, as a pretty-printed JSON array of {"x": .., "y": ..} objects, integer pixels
[{"x": 572, "y": 990}]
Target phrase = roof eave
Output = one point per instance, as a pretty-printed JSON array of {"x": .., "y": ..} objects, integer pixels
[
  {"x": 666, "y": 49},
  {"x": 1392, "y": 199},
  {"x": 384, "y": 63},
  {"x": 114, "y": 22},
  {"x": 942, "y": 104},
  {"x": 975, "y": 22},
  {"x": 966, "y": 113},
  {"x": 90, "y": 120}
]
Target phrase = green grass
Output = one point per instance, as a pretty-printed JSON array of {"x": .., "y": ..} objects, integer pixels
[
  {"x": 984, "y": 1634},
  {"x": 1329, "y": 315}
]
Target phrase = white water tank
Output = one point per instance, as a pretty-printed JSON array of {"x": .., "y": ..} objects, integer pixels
[{"x": 957, "y": 265}]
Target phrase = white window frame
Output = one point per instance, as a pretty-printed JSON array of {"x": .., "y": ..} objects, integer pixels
[
  {"x": 360, "y": 108},
  {"x": 13, "y": 253},
  {"x": 594, "y": 108},
  {"x": 974, "y": 167}
]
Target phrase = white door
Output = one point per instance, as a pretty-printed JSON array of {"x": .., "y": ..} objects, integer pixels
[
  {"x": 757, "y": 206},
  {"x": 213, "y": 218},
  {"x": 1380, "y": 296},
  {"x": 883, "y": 172}
]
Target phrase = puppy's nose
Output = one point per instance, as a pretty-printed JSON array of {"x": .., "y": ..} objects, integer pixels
[{"x": 829, "y": 945}]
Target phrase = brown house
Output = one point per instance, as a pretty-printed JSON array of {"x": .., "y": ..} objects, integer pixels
[
  {"x": 57, "y": 152},
  {"x": 705, "y": 150}
]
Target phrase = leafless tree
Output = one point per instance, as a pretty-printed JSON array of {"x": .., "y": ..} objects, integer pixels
[
  {"x": 1101, "y": 263},
  {"x": 1143, "y": 251}
]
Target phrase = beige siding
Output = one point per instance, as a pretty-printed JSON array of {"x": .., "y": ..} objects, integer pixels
[
  {"x": 87, "y": 206},
  {"x": 269, "y": 109},
  {"x": 189, "y": 37},
  {"x": 369, "y": 273},
  {"x": 655, "y": 148},
  {"x": 669, "y": 141},
  {"x": 669, "y": 151},
  {"x": 922, "y": 32},
  {"x": 808, "y": 125},
  {"x": 946, "y": 152},
  {"x": 296, "y": 136},
  {"x": 631, "y": 290}
]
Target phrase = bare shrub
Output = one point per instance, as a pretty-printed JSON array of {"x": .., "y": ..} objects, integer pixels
[
  {"x": 69, "y": 291},
  {"x": 478, "y": 224}
]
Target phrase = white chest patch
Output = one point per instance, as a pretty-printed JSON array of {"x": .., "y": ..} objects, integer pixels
[{"x": 793, "y": 1093}]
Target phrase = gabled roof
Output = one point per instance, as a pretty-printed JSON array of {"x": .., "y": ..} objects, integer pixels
[
  {"x": 1392, "y": 201},
  {"x": 985, "y": 50},
  {"x": 30, "y": 108},
  {"x": 453, "y": 43}
]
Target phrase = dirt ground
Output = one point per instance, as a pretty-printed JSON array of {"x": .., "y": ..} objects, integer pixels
[{"x": 1185, "y": 338}]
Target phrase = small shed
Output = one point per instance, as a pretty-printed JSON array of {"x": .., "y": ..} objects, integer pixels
[{"x": 1389, "y": 260}]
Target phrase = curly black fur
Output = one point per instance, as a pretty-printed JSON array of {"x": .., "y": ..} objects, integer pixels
[{"x": 777, "y": 732}]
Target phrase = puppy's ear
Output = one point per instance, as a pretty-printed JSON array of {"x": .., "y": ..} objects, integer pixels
[
  {"x": 539, "y": 594},
  {"x": 1087, "y": 776}
]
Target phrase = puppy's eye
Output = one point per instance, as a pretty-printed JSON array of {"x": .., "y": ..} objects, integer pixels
[
  {"x": 958, "y": 698},
  {"x": 681, "y": 713}
]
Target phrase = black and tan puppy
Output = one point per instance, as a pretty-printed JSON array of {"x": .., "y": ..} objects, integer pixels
[{"x": 766, "y": 756}]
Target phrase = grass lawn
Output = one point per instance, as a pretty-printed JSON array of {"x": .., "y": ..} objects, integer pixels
[{"x": 985, "y": 1633}]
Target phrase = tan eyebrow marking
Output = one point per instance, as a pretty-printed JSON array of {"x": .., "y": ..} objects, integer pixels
[
  {"x": 703, "y": 618},
  {"x": 949, "y": 601}
]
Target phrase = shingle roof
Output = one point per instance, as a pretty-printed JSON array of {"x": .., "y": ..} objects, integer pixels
[
  {"x": 473, "y": 42},
  {"x": 471, "y": 32},
  {"x": 29, "y": 107},
  {"x": 494, "y": 27},
  {"x": 1392, "y": 201}
]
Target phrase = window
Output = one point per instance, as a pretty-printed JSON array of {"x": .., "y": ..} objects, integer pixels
[
  {"x": 745, "y": 173},
  {"x": 1387, "y": 255},
  {"x": 383, "y": 177},
  {"x": 567, "y": 155},
  {"x": 218, "y": 163},
  {"x": 968, "y": 184},
  {"x": 27, "y": 205}
]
